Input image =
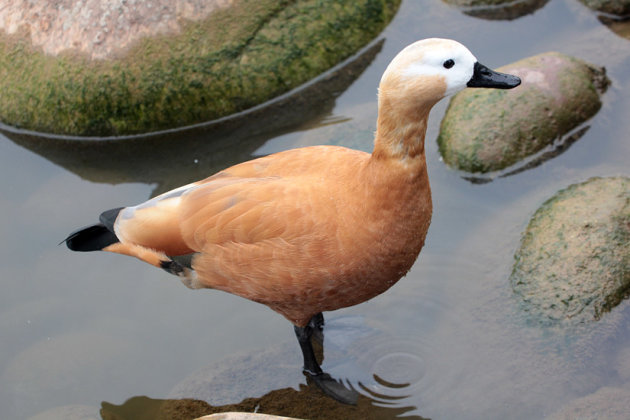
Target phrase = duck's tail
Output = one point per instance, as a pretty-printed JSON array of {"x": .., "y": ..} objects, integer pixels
[
  {"x": 95, "y": 237},
  {"x": 90, "y": 238}
]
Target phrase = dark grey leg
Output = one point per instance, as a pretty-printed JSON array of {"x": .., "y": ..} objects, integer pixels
[
  {"x": 312, "y": 370},
  {"x": 317, "y": 323},
  {"x": 304, "y": 338}
]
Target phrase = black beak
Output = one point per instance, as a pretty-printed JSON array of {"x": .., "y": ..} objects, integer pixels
[{"x": 484, "y": 77}]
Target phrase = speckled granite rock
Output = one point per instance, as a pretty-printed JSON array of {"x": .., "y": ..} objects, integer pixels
[
  {"x": 98, "y": 28},
  {"x": 170, "y": 71},
  {"x": 486, "y": 130},
  {"x": 573, "y": 264}
]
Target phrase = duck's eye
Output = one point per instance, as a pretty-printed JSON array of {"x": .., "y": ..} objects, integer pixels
[{"x": 449, "y": 63}]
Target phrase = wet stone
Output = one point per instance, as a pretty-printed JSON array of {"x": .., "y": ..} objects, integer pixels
[
  {"x": 488, "y": 130},
  {"x": 497, "y": 9},
  {"x": 611, "y": 7},
  {"x": 573, "y": 264},
  {"x": 98, "y": 68},
  {"x": 243, "y": 375},
  {"x": 621, "y": 27}
]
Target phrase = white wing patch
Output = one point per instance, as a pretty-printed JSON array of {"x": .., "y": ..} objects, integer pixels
[{"x": 169, "y": 198}]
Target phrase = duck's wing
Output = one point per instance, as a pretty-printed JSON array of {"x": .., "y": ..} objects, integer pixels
[
  {"x": 250, "y": 210},
  {"x": 284, "y": 195},
  {"x": 154, "y": 224},
  {"x": 273, "y": 223},
  {"x": 227, "y": 209},
  {"x": 272, "y": 240}
]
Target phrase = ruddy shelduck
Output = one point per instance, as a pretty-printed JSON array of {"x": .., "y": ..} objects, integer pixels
[{"x": 311, "y": 229}]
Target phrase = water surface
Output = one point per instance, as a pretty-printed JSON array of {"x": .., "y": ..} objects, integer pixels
[{"x": 448, "y": 341}]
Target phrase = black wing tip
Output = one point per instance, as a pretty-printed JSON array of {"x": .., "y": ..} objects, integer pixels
[{"x": 90, "y": 238}]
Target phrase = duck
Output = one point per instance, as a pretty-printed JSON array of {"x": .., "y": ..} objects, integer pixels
[{"x": 312, "y": 229}]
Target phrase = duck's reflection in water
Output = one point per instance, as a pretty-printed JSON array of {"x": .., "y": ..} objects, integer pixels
[
  {"x": 212, "y": 389},
  {"x": 306, "y": 403}
]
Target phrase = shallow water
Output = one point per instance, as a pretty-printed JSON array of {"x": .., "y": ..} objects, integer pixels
[{"x": 448, "y": 341}]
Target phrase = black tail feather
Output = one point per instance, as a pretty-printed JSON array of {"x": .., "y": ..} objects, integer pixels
[{"x": 91, "y": 238}]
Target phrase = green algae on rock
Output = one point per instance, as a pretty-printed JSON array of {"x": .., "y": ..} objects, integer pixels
[
  {"x": 486, "y": 130},
  {"x": 573, "y": 264},
  {"x": 237, "y": 58}
]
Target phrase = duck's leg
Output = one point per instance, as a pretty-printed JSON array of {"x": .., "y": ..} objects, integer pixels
[
  {"x": 318, "y": 320},
  {"x": 312, "y": 370},
  {"x": 317, "y": 323}
]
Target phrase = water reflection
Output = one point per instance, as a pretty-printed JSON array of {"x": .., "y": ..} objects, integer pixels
[
  {"x": 380, "y": 367},
  {"x": 509, "y": 10},
  {"x": 176, "y": 157},
  {"x": 619, "y": 26},
  {"x": 559, "y": 146},
  {"x": 83, "y": 329},
  {"x": 217, "y": 387},
  {"x": 305, "y": 403}
]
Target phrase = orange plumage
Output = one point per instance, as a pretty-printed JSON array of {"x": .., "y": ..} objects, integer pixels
[
  {"x": 312, "y": 229},
  {"x": 302, "y": 231}
]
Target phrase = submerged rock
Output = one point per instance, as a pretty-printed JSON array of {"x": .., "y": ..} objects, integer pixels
[
  {"x": 69, "y": 412},
  {"x": 487, "y": 130},
  {"x": 142, "y": 66},
  {"x": 611, "y": 7},
  {"x": 615, "y": 14},
  {"x": 574, "y": 260},
  {"x": 608, "y": 403},
  {"x": 497, "y": 9},
  {"x": 621, "y": 27}
]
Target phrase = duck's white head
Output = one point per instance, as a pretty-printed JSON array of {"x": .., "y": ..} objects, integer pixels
[
  {"x": 419, "y": 76},
  {"x": 433, "y": 68}
]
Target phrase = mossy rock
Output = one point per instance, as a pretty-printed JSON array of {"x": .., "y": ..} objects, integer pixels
[
  {"x": 236, "y": 58},
  {"x": 486, "y": 130},
  {"x": 573, "y": 264},
  {"x": 497, "y": 9},
  {"x": 611, "y": 7}
]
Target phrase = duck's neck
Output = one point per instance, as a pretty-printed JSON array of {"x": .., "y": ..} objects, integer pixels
[{"x": 401, "y": 129}]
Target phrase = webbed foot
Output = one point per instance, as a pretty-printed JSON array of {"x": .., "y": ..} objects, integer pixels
[{"x": 333, "y": 388}]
